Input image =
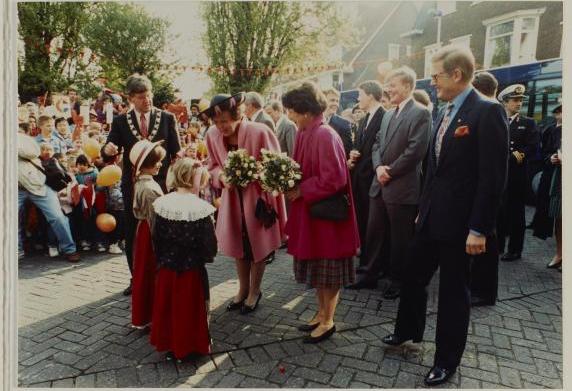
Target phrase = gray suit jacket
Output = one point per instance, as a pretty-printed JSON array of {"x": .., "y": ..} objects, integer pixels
[
  {"x": 265, "y": 119},
  {"x": 401, "y": 144},
  {"x": 286, "y": 134}
]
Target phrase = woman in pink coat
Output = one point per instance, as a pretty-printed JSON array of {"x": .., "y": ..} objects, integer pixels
[
  {"x": 239, "y": 233},
  {"x": 323, "y": 247}
]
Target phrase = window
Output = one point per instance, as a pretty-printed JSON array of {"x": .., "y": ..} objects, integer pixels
[
  {"x": 464, "y": 41},
  {"x": 447, "y": 7},
  {"x": 511, "y": 39},
  {"x": 429, "y": 52},
  {"x": 393, "y": 53}
]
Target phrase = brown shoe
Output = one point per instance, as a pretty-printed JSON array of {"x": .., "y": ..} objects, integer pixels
[{"x": 73, "y": 257}]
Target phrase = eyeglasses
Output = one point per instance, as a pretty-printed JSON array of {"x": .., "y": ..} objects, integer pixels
[{"x": 435, "y": 77}]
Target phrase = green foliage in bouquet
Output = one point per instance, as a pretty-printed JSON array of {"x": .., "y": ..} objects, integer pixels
[
  {"x": 240, "y": 168},
  {"x": 277, "y": 172}
]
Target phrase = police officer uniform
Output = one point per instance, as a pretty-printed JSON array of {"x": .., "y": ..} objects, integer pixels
[{"x": 524, "y": 140}]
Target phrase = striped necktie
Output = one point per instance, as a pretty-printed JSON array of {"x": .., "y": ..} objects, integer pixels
[{"x": 442, "y": 130}]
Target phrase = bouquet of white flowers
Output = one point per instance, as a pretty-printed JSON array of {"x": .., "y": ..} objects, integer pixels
[
  {"x": 277, "y": 172},
  {"x": 239, "y": 168}
]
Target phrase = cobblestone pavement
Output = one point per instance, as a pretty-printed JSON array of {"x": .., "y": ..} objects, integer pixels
[{"x": 74, "y": 332}]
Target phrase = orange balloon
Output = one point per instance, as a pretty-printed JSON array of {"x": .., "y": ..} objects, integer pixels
[
  {"x": 105, "y": 222},
  {"x": 91, "y": 148},
  {"x": 109, "y": 176}
]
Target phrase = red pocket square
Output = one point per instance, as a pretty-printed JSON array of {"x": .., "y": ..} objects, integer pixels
[{"x": 462, "y": 131}]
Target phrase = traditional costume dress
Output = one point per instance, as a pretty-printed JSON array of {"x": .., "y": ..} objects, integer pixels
[
  {"x": 184, "y": 240},
  {"x": 145, "y": 193}
]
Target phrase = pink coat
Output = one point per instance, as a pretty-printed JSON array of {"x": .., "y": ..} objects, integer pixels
[
  {"x": 320, "y": 153},
  {"x": 252, "y": 136}
]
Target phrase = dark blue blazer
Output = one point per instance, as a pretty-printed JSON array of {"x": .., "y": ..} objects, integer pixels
[
  {"x": 344, "y": 129},
  {"x": 463, "y": 189}
]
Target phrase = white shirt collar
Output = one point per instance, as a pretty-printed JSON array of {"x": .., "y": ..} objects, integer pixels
[{"x": 402, "y": 105}]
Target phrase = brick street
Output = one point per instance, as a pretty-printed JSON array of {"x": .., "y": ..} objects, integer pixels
[{"x": 74, "y": 332}]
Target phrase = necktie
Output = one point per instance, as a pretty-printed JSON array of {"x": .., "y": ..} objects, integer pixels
[
  {"x": 363, "y": 128},
  {"x": 143, "y": 126},
  {"x": 442, "y": 130}
]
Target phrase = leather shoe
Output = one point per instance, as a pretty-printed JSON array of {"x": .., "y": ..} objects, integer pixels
[
  {"x": 509, "y": 257},
  {"x": 394, "y": 340},
  {"x": 392, "y": 293},
  {"x": 320, "y": 338},
  {"x": 246, "y": 309},
  {"x": 127, "y": 290},
  {"x": 480, "y": 302},
  {"x": 308, "y": 327},
  {"x": 235, "y": 306},
  {"x": 438, "y": 375},
  {"x": 552, "y": 265},
  {"x": 363, "y": 284}
]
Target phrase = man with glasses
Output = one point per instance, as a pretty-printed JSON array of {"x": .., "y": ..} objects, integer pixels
[
  {"x": 457, "y": 212},
  {"x": 524, "y": 140}
]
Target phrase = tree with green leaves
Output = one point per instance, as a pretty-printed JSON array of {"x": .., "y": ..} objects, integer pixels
[
  {"x": 53, "y": 43},
  {"x": 247, "y": 41}
]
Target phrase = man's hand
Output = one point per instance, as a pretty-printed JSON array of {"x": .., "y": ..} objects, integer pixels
[
  {"x": 554, "y": 159},
  {"x": 354, "y": 155},
  {"x": 476, "y": 245},
  {"x": 519, "y": 156},
  {"x": 293, "y": 194},
  {"x": 351, "y": 164},
  {"x": 110, "y": 149},
  {"x": 383, "y": 176}
]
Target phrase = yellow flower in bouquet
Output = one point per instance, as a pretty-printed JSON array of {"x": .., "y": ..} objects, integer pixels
[
  {"x": 240, "y": 168},
  {"x": 277, "y": 172}
]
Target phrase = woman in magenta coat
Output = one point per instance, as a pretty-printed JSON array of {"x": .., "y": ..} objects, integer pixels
[
  {"x": 239, "y": 233},
  {"x": 323, "y": 249}
]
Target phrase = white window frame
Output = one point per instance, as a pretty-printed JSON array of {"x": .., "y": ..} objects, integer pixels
[
  {"x": 448, "y": 11},
  {"x": 462, "y": 38},
  {"x": 517, "y": 18},
  {"x": 429, "y": 51},
  {"x": 393, "y": 47}
]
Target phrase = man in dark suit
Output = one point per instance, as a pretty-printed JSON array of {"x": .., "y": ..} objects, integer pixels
[
  {"x": 524, "y": 140},
  {"x": 359, "y": 161},
  {"x": 342, "y": 127},
  {"x": 484, "y": 267},
  {"x": 285, "y": 129},
  {"x": 397, "y": 154},
  {"x": 143, "y": 121},
  {"x": 253, "y": 104},
  {"x": 457, "y": 210},
  {"x": 362, "y": 173}
]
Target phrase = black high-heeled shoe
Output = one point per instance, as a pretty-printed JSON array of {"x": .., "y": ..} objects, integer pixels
[
  {"x": 320, "y": 338},
  {"x": 308, "y": 327},
  {"x": 246, "y": 309},
  {"x": 232, "y": 306}
]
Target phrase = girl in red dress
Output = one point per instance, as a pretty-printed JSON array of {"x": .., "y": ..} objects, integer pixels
[
  {"x": 184, "y": 240},
  {"x": 146, "y": 158}
]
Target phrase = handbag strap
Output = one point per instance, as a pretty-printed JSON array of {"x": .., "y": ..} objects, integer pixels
[{"x": 41, "y": 169}]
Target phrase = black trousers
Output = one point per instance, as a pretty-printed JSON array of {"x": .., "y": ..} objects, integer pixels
[
  {"x": 511, "y": 222},
  {"x": 485, "y": 272},
  {"x": 389, "y": 232},
  {"x": 426, "y": 255},
  {"x": 129, "y": 225}
]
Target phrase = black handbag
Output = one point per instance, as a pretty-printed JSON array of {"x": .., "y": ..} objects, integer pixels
[
  {"x": 56, "y": 177},
  {"x": 336, "y": 208},
  {"x": 265, "y": 213}
]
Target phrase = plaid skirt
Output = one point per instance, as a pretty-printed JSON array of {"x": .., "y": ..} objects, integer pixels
[{"x": 325, "y": 273}]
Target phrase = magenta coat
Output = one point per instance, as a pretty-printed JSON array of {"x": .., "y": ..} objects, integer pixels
[
  {"x": 320, "y": 153},
  {"x": 252, "y": 136}
]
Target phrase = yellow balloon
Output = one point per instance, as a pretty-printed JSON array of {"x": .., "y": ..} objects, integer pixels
[
  {"x": 91, "y": 148},
  {"x": 109, "y": 176},
  {"x": 105, "y": 222}
]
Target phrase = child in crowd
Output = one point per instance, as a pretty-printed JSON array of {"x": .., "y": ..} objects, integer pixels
[
  {"x": 85, "y": 212},
  {"x": 63, "y": 133},
  {"x": 115, "y": 207},
  {"x": 192, "y": 133},
  {"x": 146, "y": 158},
  {"x": 184, "y": 240}
]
